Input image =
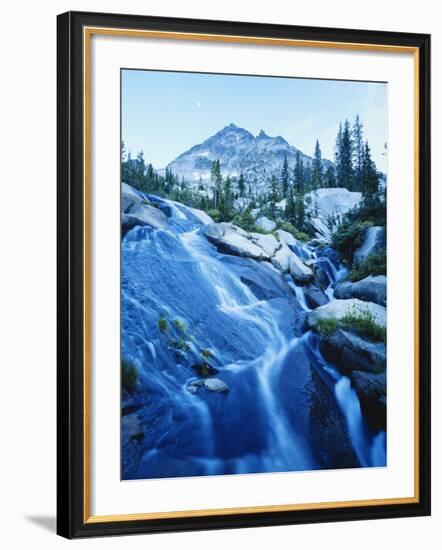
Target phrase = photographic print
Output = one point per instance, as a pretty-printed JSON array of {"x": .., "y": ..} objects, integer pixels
[{"x": 253, "y": 274}]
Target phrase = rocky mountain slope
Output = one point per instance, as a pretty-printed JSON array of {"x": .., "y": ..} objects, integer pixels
[{"x": 258, "y": 158}]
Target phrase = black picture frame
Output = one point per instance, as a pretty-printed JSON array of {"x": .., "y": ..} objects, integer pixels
[{"x": 71, "y": 519}]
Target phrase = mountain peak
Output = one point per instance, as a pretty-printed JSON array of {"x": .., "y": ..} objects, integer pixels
[
  {"x": 232, "y": 128},
  {"x": 239, "y": 151}
]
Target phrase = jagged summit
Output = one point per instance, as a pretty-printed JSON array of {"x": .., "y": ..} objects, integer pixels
[{"x": 238, "y": 150}]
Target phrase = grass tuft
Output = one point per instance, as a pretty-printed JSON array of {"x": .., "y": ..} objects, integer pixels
[
  {"x": 129, "y": 375},
  {"x": 163, "y": 324},
  {"x": 362, "y": 323},
  {"x": 374, "y": 264}
]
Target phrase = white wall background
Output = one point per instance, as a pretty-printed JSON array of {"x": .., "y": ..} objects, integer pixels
[{"x": 27, "y": 273}]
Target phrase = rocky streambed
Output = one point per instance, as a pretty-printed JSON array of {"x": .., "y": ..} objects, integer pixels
[{"x": 245, "y": 355}]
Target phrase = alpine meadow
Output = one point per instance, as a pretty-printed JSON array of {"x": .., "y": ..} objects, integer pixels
[{"x": 253, "y": 274}]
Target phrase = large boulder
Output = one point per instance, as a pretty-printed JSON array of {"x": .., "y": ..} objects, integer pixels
[
  {"x": 299, "y": 271},
  {"x": 204, "y": 218},
  {"x": 267, "y": 242},
  {"x": 288, "y": 262},
  {"x": 314, "y": 296},
  {"x": 372, "y": 393},
  {"x": 370, "y": 289},
  {"x": 230, "y": 239},
  {"x": 265, "y": 224},
  {"x": 324, "y": 271},
  {"x": 349, "y": 352},
  {"x": 328, "y": 207},
  {"x": 286, "y": 238},
  {"x": 374, "y": 242},
  {"x": 145, "y": 214},
  {"x": 129, "y": 196},
  {"x": 337, "y": 309}
]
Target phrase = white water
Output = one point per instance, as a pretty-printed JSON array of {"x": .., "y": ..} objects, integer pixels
[{"x": 232, "y": 298}]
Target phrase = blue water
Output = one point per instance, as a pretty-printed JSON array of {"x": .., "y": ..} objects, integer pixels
[{"x": 286, "y": 409}]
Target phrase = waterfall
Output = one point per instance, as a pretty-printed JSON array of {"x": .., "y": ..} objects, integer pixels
[{"x": 258, "y": 425}]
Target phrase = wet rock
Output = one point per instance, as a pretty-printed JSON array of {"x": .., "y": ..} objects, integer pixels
[
  {"x": 323, "y": 272},
  {"x": 349, "y": 352},
  {"x": 312, "y": 410},
  {"x": 299, "y": 271},
  {"x": 337, "y": 309},
  {"x": 144, "y": 214},
  {"x": 216, "y": 385},
  {"x": 262, "y": 278},
  {"x": 370, "y": 289},
  {"x": 374, "y": 242},
  {"x": 288, "y": 262},
  {"x": 372, "y": 393},
  {"x": 330, "y": 253},
  {"x": 230, "y": 239},
  {"x": 204, "y": 218},
  {"x": 314, "y": 296},
  {"x": 211, "y": 384}
]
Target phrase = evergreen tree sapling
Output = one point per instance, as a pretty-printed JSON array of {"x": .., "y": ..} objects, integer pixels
[
  {"x": 285, "y": 177},
  {"x": 358, "y": 152},
  {"x": 317, "y": 176}
]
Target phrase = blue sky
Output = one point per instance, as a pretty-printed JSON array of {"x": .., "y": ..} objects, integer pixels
[{"x": 166, "y": 113}]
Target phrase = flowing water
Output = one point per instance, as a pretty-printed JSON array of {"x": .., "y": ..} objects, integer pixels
[{"x": 285, "y": 409}]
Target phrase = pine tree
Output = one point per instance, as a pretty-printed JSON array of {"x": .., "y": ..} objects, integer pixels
[
  {"x": 285, "y": 177},
  {"x": 317, "y": 176},
  {"x": 216, "y": 181},
  {"x": 298, "y": 174},
  {"x": 308, "y": 177},
  {"x": 330, "y": 178},
  {"x": 273, "y": 196},
  {"x": 226, "y": 200},
  {"x": 344, "y": 157},
  {"x": 140, "y": 164},
  {"x": 370, "y": 178},
  {"x": 358, "y": 152},
  {"x": 290, "y": 208},
  {"x": 241, "y": 185},
  {"x": 300, "y": 212}
]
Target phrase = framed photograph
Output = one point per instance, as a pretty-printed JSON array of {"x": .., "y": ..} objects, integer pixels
[{"x": 243, "y": 274}]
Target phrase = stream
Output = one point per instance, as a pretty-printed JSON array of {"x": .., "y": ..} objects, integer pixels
[{"x": 286, "y": 408}]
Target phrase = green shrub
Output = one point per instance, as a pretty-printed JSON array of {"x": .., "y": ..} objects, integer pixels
[
  {"x": 372, "y": 211},
  {"x": 374, "y": 264},
  {"x": 129, "y": 375},
  {"x": 206, "y": 353},
  {"x": 324, "y": 327},
  {"x": 204, "y": 369},
  {"x": 348, "y": 237},
  {"x": 362, "y": 323},
  {"x": 290, "y": 228},
  {"x": 180, "y": 325},
  {"x": 180, "y": 344},
  {"x": 215, "y": 214},
  {"x": 245, "y": 220},
  {"x": 163, "y": 324}
]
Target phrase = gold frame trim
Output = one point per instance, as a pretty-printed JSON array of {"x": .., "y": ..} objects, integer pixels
[{"x": 87, "y": 34}]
